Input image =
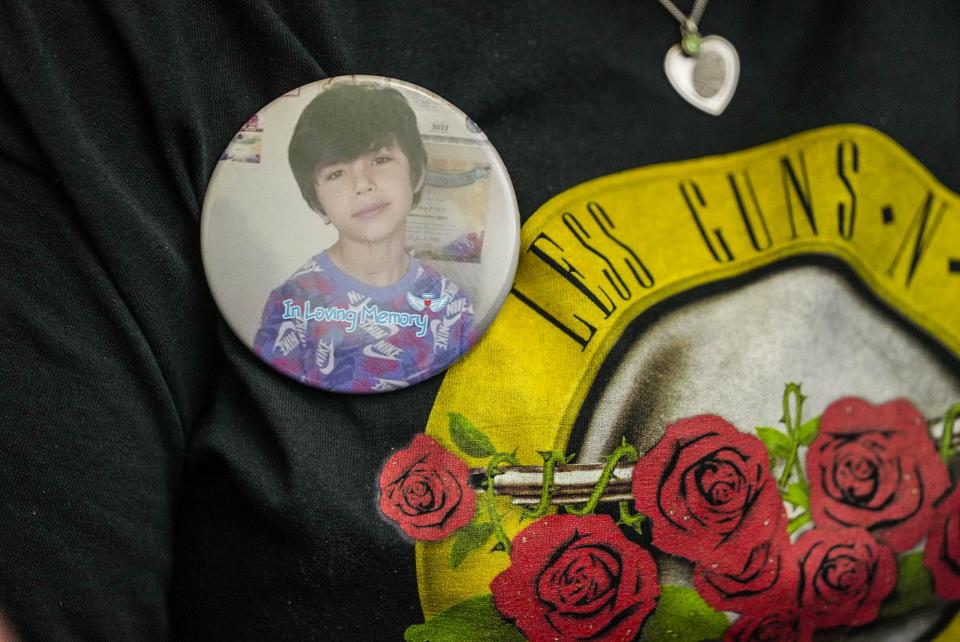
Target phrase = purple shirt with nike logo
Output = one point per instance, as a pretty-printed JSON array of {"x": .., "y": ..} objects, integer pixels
[{"x": 352, "y": 351}]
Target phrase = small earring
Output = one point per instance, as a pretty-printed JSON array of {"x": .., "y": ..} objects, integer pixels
[{"x": 326, "y": 221}]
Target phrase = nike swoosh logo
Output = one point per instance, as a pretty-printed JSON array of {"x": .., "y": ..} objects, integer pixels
[
  {"x": 324, "y": 354},
  {"x": 371, "y": 350},
  {"x": 384, "y": 385},
  {"x": 287, "y": 338}
]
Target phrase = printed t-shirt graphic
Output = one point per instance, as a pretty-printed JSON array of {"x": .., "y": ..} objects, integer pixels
[
  {"x": 837, "y": 201},
  {"x": 326, "y": 328}
]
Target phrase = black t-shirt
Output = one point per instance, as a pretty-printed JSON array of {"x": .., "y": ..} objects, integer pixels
[{"x": 157, "y": 479}]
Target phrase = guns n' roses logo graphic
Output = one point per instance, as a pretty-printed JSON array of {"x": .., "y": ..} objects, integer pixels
[{"x": 724, "y": 406}]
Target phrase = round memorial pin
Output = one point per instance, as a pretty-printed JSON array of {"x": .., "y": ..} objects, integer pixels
[{"x": 359, "y": 234}]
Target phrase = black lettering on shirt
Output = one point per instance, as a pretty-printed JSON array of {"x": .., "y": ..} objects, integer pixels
[
  {"x": 580, "y": 339},
  {"x": 848, "y": 162},
  {"x": 634, "y": 263},
  {"x": 922, "y": 228},
  {"x": 569, "y": 272},
  {"x": 693, "y": 197},
  {"x": 792, "y": 186},
  {"x": 750, "y": 219}
]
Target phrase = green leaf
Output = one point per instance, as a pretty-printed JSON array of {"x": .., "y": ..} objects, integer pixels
[
  {"x": 475, "y": 620},
  {"x": 778, "y": 444},
  {"x": 798, "y": 495},
  {"x": 469, "y": 538},
  {"x": 914, "y": 587},
  {"x": 468, "y": 438},
  {"x": 681, "y": 614},
  {"x": 798, "y": 522},
  {"x": 807, "y": 432}
]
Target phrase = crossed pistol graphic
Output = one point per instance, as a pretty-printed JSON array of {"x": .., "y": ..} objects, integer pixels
[{"x": 572, "y": 483}]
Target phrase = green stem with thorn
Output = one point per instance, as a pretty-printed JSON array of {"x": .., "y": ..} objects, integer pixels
[
  {"x": 549, "y": 465},
  {"x": 493, "y": 469},
  {"x": 630, "y": 519},
  {"x": 793, "y": 423},
  {"x": 624, "y": 450},
  {"x": 946, "y": 445}
]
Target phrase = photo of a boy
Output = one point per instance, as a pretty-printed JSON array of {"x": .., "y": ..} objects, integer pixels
[{"x": 363, "y": 315}]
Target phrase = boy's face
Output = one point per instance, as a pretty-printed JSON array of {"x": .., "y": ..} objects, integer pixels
[{"x": 368, "y": 199}]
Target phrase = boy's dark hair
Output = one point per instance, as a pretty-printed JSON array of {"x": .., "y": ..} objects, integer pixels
[{"x": 346, "y": 121}]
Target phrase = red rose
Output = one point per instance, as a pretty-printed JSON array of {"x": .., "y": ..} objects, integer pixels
[
  {"x": 423, "y": 488},
  {"x": 877, "y": 468},
  {"x": 576, "y": 578},
  {"x": 942, "y": 552},
  {"x": 777, "y": 626},
  {"x": 707, "y": 490},
  {"x": 844, "y": 576},
  {"x": 766, "y": 581}
]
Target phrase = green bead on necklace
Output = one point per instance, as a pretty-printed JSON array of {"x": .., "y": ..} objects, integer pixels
[{"x": 690, "y": 43}]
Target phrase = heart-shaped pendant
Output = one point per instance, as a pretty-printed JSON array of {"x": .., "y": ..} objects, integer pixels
[{"x": 708, "y": 79}]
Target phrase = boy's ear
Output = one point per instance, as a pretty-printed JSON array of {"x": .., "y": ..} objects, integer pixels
[{"x": 420, "y": 181}]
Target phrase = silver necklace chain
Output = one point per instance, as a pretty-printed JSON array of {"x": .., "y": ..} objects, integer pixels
[{"x": 690, "y": 22}]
